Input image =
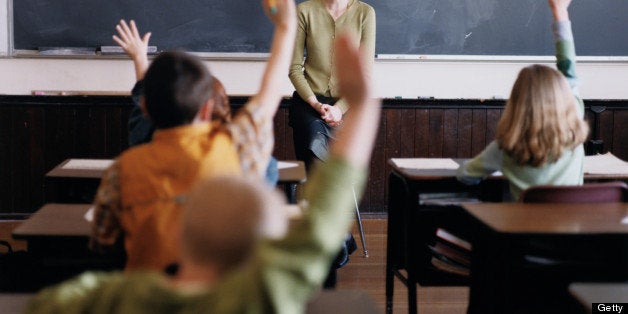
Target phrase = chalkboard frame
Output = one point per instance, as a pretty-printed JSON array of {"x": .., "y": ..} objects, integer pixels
[{"x": 10, "y": 51}]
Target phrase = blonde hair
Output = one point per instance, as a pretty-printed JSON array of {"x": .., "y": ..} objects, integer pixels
[
  {"x": 225, "y": 217},
  {"x": 541, "y": 118}
]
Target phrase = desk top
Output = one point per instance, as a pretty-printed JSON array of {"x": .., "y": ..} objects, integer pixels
[
  {"x": 290, "y": 171},
  {"x": 598, "y": 167},
  {"x": 552, "y": 218},
  {"x": 68, "y": 220},
  {"x": 588, "y": 293},
  {"x": 61, "y": 220},
  {"x": 80, "y": 168}
]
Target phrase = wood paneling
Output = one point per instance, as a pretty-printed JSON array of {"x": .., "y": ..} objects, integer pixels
[{"x": 38, "y": 132}]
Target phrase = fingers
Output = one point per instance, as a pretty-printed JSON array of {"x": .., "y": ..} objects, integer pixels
[
  {"x": 146, "y": 38},
  {"x": 134, "y": 31}
]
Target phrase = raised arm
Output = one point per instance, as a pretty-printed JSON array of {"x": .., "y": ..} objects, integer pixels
[
  {"x": 270, "y": 92},
  {"x": 367, "y": 47},
  {"x": 563, "y": 38},
  {"x": 134, "y": 45},
  {"x": 252, "y": 126},
  {"x": 302, "y": 258},
  {"x": 354, "y": 141}
]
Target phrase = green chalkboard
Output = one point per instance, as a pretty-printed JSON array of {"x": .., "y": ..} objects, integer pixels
[{"x": 440, "y": 27}]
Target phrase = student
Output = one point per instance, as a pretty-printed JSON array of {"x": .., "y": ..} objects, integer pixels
[
  {"x": 141, "y": 128},
  {"x": 141, "y": 194},
  {"x": 540, "y": 134},
  {"x": 234, "y": 256}
]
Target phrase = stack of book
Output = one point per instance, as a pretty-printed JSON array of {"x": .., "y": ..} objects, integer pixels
[{"x": 451, "y": 253}]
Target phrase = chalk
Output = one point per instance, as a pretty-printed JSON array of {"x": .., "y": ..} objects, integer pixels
[{"x": 273, "y": 6}]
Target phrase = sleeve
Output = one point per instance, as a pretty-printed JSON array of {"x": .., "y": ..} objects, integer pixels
[
  {"x": 294, "y": 267},
  {"x": 253, "y": 137},
  {"x": 73, "y": 296},
  {"x": 106, "y": 228},
  {"x": 141, "y": 128},
  {"x": 566, "y": 58},
  {"x": 296, "y": 74},
  {"x": 487, "y": 162}
]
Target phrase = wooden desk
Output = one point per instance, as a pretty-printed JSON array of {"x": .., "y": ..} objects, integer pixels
[
  {"x": 57, "y": 237},
  {"x": 55, "y": 220},
  {"x": 409, "y": 188},
  {"x": 606, "y": 292},
  {"x": 412, "y": 182},
  {"x": 597, "y": 233},
  {"x": 76, "y": 180}
]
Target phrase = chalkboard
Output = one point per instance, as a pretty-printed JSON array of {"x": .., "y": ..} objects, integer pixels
[{"x": 406, "y": 27}]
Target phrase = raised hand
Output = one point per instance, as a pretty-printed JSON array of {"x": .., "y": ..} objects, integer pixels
[
  {"x": 559, "y": 9},
  {"x": 134, "y": 45},
  {"x": 284, "y": 11}
]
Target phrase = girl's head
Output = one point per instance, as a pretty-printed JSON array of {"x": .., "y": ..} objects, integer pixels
[
  {"x": 541, "y": 118},
  {"x": 222, "y": 109}
]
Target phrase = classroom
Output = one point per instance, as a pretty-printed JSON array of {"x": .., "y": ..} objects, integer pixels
[{"x": 438, "y": 106}]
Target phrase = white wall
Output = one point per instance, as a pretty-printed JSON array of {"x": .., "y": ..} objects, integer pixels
[
  {"x": 404, "y": 78},
  {"x": 408, "y": 79}
]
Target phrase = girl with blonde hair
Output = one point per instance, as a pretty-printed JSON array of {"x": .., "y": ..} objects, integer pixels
[{"x": 540, "y": 134}]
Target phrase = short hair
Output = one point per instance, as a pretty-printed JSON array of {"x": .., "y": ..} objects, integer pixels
[
  {"x": 176, "y": 86},
  {"x": 226, "y": 217},
  {"x": 541, "y": 118}
]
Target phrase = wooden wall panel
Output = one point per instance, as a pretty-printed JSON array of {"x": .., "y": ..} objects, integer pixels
[
  {"x": 421, "y": 133},
  {"x": 36, "y": 133},
  {"x": 620, "y": 134},
  {"x": 465, "y": 132}
]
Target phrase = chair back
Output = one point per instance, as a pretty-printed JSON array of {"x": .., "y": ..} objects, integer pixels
[{"x": 606, "y": 192}]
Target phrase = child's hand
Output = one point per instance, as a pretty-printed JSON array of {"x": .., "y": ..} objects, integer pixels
[
  {"x": 283, "y": 14},
  {"x": 559, "y": 9},
  {"x": 129, "y": 39}
]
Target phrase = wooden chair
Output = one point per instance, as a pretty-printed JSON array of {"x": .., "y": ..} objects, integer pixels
[{"x": 605, "y": 192}]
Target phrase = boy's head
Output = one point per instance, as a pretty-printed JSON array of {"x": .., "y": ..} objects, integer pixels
[
  {"x": 541, "y": 117},
  {"x": 176, "y": 86},
  {"x": 226, "y": 217}
]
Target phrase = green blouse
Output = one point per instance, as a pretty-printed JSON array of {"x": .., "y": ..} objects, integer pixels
[{"x": 316, "y": 33}]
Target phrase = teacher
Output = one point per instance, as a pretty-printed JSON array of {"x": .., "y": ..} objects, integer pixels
[{"x": 315, "y": 108}]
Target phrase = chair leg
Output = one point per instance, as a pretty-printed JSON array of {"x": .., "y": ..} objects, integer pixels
[{"x": 357, "y": 213}]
